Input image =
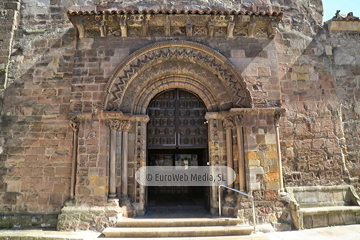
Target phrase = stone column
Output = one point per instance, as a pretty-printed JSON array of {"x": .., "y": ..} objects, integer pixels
[
  {"x": 125, "y": 127},
  {"x": 277, "y": 116},
  {"x": 239, "y": 121},
  {"x": 118, "y": 162},
  {"x": 114, "y": 125},
  {"x": 228, "y": 124},
  {"x": 74, "y": 123}
]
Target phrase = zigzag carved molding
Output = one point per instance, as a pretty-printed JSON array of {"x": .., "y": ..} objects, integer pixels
[{"x": 180, "y": 51}]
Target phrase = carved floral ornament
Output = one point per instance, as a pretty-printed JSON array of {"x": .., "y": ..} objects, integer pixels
[
  {"x": 175, "y": 23},
  {"x": 191, "y": 52}
]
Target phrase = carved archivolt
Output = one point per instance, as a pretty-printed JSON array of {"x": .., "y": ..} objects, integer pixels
[{"x": 191, "y": 52}]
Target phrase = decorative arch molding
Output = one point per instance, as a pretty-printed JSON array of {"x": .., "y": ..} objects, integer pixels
[
  {"x": 158, "y": 53},
  {"x": 171, "y": 82},
  {"x": 179, "y": 75}
]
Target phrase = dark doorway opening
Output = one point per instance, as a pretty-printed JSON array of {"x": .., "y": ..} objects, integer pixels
[{"x": 177, "y": 136}]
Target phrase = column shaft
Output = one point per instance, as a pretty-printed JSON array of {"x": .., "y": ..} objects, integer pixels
[
  {"x": 229, "y": 152},
  {"x": 118, "y": 160},
  {"x": 112, "y": 165},
  {"x": 240, "y": 143},
  {"x": 124, "y": 169}
]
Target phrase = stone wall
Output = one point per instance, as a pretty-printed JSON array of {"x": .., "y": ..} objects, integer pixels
[
  {"x": 319, "y": 91},
  {"x": 307, "y": 70},
  {"x": 346, "y": 59},
  {"x": 35, "y": 135}
]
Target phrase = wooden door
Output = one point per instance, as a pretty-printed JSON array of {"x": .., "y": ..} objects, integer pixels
[{"x": 177, "y": 120}]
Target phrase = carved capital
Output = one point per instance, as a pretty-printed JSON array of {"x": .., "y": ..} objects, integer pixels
[
  {"x": 277, "y": 115},
  {"x": 228, "y": 122},
  {"x": 239, "y": 120},
  {"x": 125, "y": 125},
  {"x": 114, "y": 124},
  {"x": 75, "y": 123}
]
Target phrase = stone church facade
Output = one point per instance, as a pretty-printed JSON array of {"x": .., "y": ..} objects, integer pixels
[{"x": 92, "y": 92}]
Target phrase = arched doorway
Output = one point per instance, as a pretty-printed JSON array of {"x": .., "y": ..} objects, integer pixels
[{"x": 177, "y": 135}]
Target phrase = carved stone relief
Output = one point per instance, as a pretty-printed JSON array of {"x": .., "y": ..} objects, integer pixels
[{"x": 178, "y": 51}]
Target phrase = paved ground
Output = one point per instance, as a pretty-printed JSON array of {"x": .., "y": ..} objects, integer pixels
[{"x": 349, "y": 232}]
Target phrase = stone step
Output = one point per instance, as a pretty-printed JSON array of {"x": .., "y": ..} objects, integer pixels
[
  {"x": 257, "y": 236},
  {"x": 177, "y": 222},
  {"x": 152, "y": 232}
]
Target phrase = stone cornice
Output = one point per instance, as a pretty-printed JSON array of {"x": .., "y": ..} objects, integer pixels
[
  {"x": 341, "y": 25},
  {"x": 278, "y": 112},
  {"x": 109, "y": 115},
  {"x": 173, "y": 23}
]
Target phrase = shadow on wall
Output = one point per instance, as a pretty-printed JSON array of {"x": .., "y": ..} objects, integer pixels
[
  {"x": 35, "y": 159},
  {"x": 318, "y": 132}
]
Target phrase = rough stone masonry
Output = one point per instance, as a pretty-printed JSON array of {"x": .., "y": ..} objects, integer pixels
[{"x": 281, "y": 87}]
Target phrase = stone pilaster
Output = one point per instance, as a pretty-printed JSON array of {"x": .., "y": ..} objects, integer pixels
[
  {"x": 140, "y": 161},
  {"x": 277, "y": 115},
  {"x": 74, "y": 123}
]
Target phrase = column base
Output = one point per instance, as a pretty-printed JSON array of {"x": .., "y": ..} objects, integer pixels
[
  {"x": 126, "y": 207},
  {"x": 112, "y": 195},
  {"x": 114, "y": 201}
]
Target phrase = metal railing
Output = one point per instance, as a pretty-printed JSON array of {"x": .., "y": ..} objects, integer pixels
[{"x": 248, "y": 195}]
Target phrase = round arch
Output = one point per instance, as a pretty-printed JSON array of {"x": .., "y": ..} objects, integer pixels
[
  {"x": 170, "y": 82},
  {"x": 206, "y": 60}
]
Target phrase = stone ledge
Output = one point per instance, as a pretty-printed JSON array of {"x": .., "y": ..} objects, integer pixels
[
  {"x": 87, "y": 218},
  {"x": 328, "y": 210},
  {"x": 321, "y": 210}
]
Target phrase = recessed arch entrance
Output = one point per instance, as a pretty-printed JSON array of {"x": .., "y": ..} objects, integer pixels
[
  {"x": 177, "y": 135},
  {"x": 181, "y": 67}
]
